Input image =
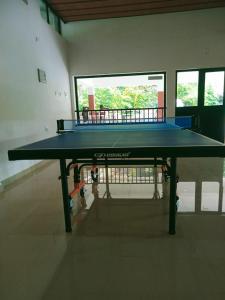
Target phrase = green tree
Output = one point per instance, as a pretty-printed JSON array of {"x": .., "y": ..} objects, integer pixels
[
  {"x": 187, "y": 93},
  {"x": 211, "y": 98},
  {"x": 121, "y": 97}
]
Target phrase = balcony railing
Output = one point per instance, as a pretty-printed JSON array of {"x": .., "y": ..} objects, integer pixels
[
  {"x": 125, "y": 175},
  {"x": 121, "y": 116}
]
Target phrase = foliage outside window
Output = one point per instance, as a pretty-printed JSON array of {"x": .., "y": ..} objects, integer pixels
[
  {"x": 121, "y": 97},
  {"x": 127, "y": 94},
  {"x": 214, "y": 87},
  {"x": 187, "y": 89}
]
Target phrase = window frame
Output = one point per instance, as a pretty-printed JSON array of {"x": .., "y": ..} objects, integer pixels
[
  {"x": 57, "y": 25},
  {"x": 75, "y": 78},
  {"x": 201, "y": 71},
  {"x": 183, "y": 71}
]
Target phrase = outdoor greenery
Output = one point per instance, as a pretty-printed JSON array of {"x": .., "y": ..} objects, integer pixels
[
  {"x": 121, "y": 97},
  {"x": 188, "y": 95},
  {"x": 145, "y": 96},
  {"x": 211, "y": 98}
]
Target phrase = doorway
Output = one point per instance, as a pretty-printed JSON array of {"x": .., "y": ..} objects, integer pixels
[{"x": 200, "y": 93}]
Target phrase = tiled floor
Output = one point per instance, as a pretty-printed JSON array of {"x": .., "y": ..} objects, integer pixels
[{"x": 120, "y": 248}]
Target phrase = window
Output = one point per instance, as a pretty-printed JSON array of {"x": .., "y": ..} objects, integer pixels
[
  {"x": 121, "y": 98},
  {"x": 214, "y": 87},
  {"x": 43, "y": 10},
  {"x": 127, "y": 91},
  {"x": 54, "y": 21},
  {"x": 187, "y": 88},
  {"x": 50, "y": 17}
]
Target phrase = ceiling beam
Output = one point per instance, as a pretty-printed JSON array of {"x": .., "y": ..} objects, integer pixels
[
  {"x": 136, "y": 13},
  {"x": 78, "y": 10},
  {"x": 138, "y": 7},
  {"x": 123, "y": 3}
]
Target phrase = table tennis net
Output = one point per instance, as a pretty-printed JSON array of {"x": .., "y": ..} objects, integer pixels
[{"x": 184, "y": 122}]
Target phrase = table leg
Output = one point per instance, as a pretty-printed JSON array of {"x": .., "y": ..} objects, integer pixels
[
  {"x": 173, "y": 187},
  {"x": 65, "y": 194},
  {"x": 107, "y": 179}
]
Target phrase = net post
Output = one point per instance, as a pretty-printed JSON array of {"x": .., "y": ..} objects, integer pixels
[
  {"x": 107, "y": 178},
  {"x": 65, "y": 193},
  {"x": 60, "y": 125}
]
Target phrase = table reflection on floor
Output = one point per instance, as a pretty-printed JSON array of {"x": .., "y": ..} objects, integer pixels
[{"x": 135, "y": 200}]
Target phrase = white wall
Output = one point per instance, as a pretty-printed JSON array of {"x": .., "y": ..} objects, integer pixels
[
  {"x": 29, "y": 109},
  {"x": 165, "y": 42}
]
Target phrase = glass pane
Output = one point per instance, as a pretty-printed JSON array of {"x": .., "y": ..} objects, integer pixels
[
  {"x": 214, "y": 87},
  {"x": 59, "y": 26},
  {"x": 43, "y": 10},
  {"x": 51, "y": 17},
  {"x": 122, "y": 92},
  {"x": 210, "y": 196},
  {"x": 53, "y": 20},
  {"x": 56, "y": 23},
  {"x": 187, "y": 89},
  {"x": 186, "y": 193}
]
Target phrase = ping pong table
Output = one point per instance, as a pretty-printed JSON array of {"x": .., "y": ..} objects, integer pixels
[{"x": 151, "y": 144}]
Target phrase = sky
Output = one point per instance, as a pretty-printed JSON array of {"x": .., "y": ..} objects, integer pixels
[
  {"x": 134, "y": 80},
  {"x": 215, "y": 79}
]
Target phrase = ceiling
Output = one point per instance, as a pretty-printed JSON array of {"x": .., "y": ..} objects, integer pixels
[{"x": 80, "y": 10}]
